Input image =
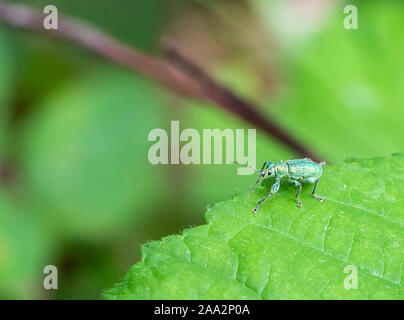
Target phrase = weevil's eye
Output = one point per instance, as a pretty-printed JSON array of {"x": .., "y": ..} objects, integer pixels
[{"x": 269, "y": 173}]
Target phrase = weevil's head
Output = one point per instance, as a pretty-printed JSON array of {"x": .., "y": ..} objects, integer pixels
[{"x": 269, "y": 170}]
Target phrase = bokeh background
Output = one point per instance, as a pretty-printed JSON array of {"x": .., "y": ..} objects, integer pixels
[{"x": 76, "y": 188}]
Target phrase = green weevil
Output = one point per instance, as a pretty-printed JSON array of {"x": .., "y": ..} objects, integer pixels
[{"x": 296, "y": 171}]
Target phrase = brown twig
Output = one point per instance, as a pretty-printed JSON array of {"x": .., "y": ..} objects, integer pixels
[
  {"x": 86, "y": 36},
  {"x": 181, "y": 75},
  {"x": 224, "y": 97}
]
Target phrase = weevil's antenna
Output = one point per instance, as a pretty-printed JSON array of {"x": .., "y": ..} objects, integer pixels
[
  {"x": 253, "y": 186},
  {"x": 245, "y": 165},
  {"x": 259, "y": 178}
]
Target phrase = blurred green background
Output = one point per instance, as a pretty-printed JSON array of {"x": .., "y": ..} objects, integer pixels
[{"x": 76, "y": 188}]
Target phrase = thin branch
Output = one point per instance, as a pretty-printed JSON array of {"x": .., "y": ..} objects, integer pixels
[
  {"x": 224, "y": 97},
  {"x": 179, "y": 74},
  {"x": 87, "y": 36}
]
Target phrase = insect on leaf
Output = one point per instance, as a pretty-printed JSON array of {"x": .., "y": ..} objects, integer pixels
[{"x": 287, "y": 252}]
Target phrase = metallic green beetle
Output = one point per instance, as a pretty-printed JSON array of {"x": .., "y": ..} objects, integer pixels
[{"x": 296, "y": 171}]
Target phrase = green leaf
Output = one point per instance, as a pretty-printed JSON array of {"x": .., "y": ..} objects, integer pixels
[{"x": 287, "y": 252}]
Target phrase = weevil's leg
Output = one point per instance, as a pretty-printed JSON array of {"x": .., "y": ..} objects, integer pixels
[
  {"x": 297, "y": 184},
  {"x": 253, "y": 186},
  {"x": 259, "y": 179},
  {"x": 274, "y": 188},
  {"x": 314, "y": 192}
]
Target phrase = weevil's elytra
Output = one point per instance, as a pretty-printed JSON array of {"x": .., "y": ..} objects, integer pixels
[{"x": 295, "y": 171}]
